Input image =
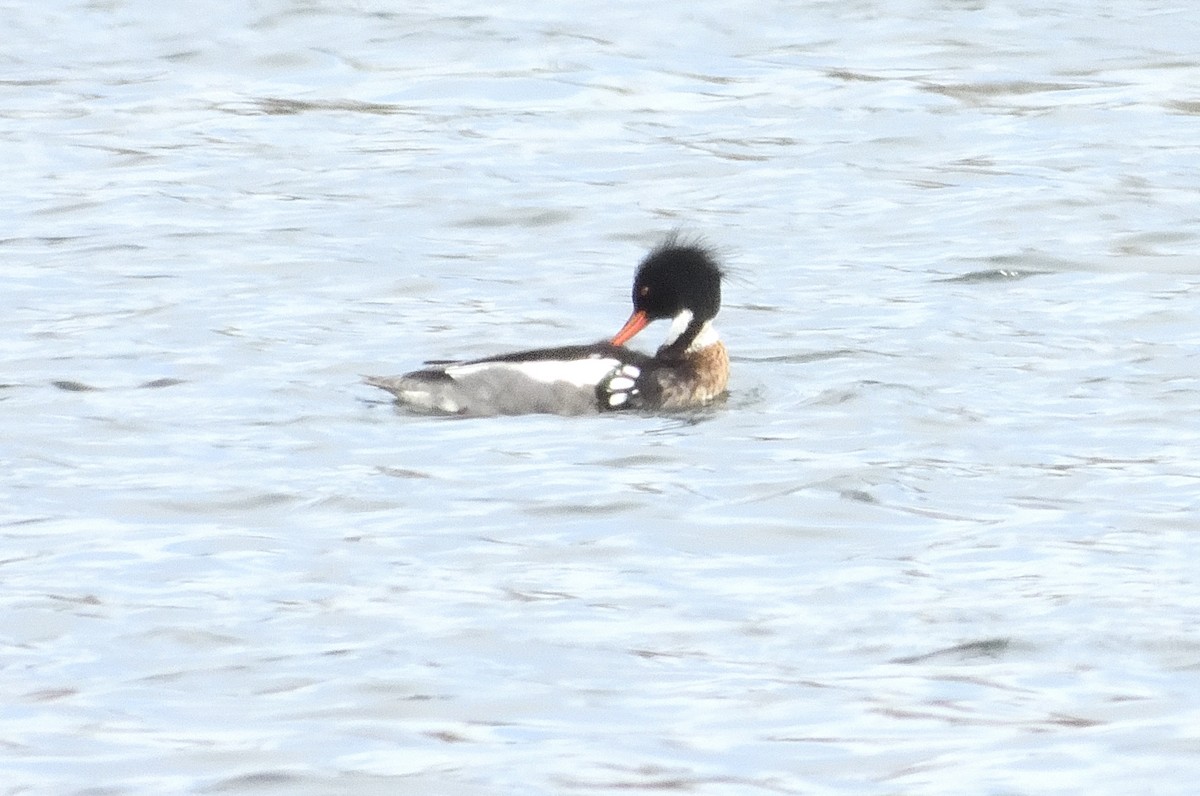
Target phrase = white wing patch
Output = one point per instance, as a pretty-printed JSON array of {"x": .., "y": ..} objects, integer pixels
[
  {"x": 621, "y": 384},
  {"x": 578, "y": 372}
]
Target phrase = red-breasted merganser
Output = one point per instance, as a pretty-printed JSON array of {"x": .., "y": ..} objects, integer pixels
[{"x": 677, "y": 281}]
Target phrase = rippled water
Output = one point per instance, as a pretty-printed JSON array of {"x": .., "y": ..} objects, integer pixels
[{"x": 940, "y": 538}]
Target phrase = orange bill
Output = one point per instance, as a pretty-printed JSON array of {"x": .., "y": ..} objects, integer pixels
[{"x": 637, "y": 321}]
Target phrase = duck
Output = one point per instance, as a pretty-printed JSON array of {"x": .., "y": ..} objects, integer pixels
[{"x": 676, "y": 281}]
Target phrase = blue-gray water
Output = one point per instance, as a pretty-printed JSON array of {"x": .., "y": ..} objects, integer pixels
[{"x": 940, "y": 539}]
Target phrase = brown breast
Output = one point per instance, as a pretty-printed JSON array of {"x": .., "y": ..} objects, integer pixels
[{"x": 704, "y": 379}]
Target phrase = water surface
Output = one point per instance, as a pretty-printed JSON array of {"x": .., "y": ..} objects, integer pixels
[{"x": 939, "y": 539}]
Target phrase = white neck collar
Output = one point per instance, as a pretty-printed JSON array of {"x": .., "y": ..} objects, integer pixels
[{"x": 706, "y": 336}]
